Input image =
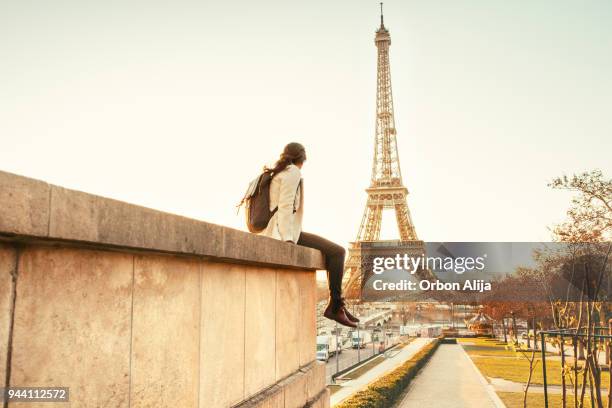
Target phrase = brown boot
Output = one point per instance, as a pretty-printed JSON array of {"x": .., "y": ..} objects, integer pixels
[
  {"x": 348, "y": 314},
  {"x": 337, "y": 313}
]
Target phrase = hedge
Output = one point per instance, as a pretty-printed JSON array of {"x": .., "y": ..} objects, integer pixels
[{"x": 383, "y": 392}]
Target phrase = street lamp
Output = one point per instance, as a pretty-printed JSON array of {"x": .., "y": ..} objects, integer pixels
[
  {"x": 358, "y": 344},
  {"x": 337, "y": 351},
  {"x": 373, "y": 341}
]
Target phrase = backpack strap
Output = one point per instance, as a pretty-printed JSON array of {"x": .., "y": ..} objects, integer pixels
[{"x": 296, "y": 191}]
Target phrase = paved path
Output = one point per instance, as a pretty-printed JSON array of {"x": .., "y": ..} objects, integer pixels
[
  {"x": 352, "y": 386},
  {"x": 450, "y": 380}
]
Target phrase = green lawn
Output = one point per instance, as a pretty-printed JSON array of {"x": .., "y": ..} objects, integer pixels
[
  {"x": 515, "y": 400},
  {"x": 516, "y": 370},
  {"x": 487, "y": 350},
  {"x": 493, "y": 360}
]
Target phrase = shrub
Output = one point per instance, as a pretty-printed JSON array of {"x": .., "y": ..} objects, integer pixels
[{"x": 383, "y": 392}]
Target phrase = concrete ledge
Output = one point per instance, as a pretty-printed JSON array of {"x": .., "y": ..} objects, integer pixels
[{"x": 34, "y": 209}]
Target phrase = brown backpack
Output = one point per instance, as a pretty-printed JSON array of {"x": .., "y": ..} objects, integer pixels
[{"x": 257, "y": 203}]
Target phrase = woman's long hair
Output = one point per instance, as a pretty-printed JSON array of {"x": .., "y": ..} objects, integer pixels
[{"x": 293, "y": 153}]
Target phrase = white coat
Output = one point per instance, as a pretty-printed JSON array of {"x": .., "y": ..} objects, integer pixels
[{"x": 286, "y": 193}]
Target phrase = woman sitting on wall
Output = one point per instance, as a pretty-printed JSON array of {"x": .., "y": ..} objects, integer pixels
[{"x": 287, "y": 194}]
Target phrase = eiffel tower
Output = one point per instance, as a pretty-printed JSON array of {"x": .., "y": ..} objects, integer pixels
[{"x": 386, "y": 190}]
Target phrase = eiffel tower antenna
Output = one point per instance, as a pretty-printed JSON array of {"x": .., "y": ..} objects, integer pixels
[{"x": 386, "y": 190}]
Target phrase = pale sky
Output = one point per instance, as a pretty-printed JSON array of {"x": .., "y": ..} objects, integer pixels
[{"x": 176, "y": 105}]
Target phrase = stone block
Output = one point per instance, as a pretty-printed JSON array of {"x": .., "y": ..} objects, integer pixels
[
  {"x": 74, "y": 215},
  {"x": 296, "y": 390},
  {"x": 7, "y": 265},
  {"x": 288, "y": 324},
  {"x": 323, "y": 400},
  {"x": 316, "y": 378},
  {"x": 165, "y": 332},
  {"x": 308, "y": 322},
  {"x": 24, "y": 205},
  {"x": 72, "y": 324},
  {"x": 273, "y": 397},
  {"x": 222, "y": 356},
  {"x": 255, "y": 248},
  {"x": 273, "y": 401},
  {"x": 260, "y": 340},
  {"x": 85, "y": 217},
  {"x": 260, "y": 249}
]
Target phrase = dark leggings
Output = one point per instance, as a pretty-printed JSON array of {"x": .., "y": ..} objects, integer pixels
[{"x": 334, "y": 261}]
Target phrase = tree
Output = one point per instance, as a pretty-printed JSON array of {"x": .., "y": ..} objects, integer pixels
[
  {"x": 590, "y": 213},
  {"x": 589, "y": 221}
]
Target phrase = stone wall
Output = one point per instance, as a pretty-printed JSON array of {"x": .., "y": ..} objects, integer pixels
[{"x": 128, "y": 306}]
